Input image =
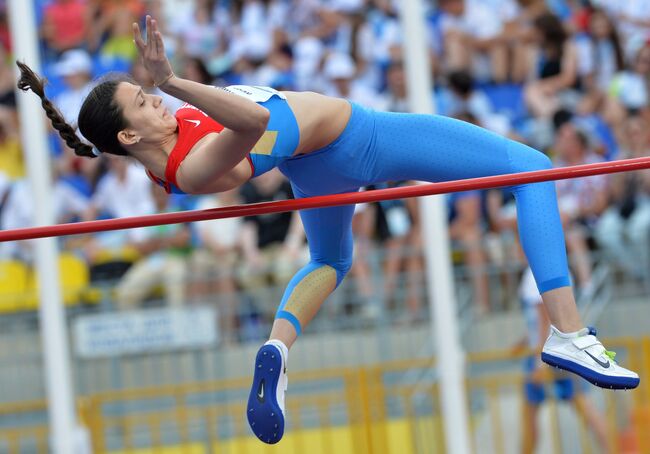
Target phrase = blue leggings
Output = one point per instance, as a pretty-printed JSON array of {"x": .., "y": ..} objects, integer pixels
[{"x": 379, "y": 146}]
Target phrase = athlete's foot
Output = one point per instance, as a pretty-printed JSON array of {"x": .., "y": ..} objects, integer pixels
[
  {"x": 265, "y": 410},
  {"x": 584, "y": 355}
]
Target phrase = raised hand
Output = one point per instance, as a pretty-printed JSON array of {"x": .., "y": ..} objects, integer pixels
[{"x": 153, "y": 52}]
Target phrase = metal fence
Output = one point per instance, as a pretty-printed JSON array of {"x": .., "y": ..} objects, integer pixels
[{"x": 376, "y": 409}]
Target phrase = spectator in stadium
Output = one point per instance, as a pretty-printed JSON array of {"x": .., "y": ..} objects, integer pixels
[
  {"x": 277, "y": 69},
  {"x": 555, "y": 68},
  {"x": 632, "y": 19},
  {"x": 363, "y": 230},
  {"x": 252, "y": 37},
  {"x": 600, "y": 57},
  {"x": 465, "y": 219},
  {"x": 565, "y": 387},
  {"x": 66, "y": 24},
  {"x": 340, "y": 70},
  {"x": 461, "y": 98},
  {"x": 111, "y": 33},
  {"x": 272, "y": 244},
  {"x": 393, "y": 228},
  {"x": 7, "y": 81},
  {"x": 197, "y": 32},
  {"x": 18, "y": 212},
  {"x": 5, "y": 34},
  {"x": 75, "y": 67},
  {"x": 194, "y": 69},
  {"x": 510, "y": 13},
  {"x": 624, "y": 229},
  {"x": 215, "y": 260},
  {"x": 522, "y": 34},
  {"x": 377, "y": 43},
  {"x": 123, "y": 191},
  {"x": 629, "y": 90},
  {"x": 581, "y": 200},
  {"x": 472, "y": 36},
  {"x": 414, "y": 267},
  {"x": 308, "y": 54},
  {"x": 163, "y": 260},
  {"x": 396, "y": 96}
]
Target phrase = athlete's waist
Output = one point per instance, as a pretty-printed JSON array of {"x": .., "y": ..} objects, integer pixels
[
  {"x": 279, "y": 141},
  {"x": 355, "y": 124}
]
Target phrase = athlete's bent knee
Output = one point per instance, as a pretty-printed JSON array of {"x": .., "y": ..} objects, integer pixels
[
  {"x": 342, "y": 268},
  {"x": 527, "y": 159}
]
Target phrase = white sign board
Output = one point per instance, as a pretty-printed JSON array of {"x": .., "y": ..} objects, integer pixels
[{"x": 144, "y": 331}]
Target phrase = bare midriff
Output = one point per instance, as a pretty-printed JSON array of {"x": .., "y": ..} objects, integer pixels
[{"x": 321, "y": 119}]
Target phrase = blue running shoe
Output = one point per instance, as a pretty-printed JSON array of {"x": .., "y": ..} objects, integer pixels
[
  {"x": 584, "y": 355},
  {"x": 265, "y": 410}
]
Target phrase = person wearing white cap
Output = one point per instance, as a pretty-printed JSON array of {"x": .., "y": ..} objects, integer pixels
[
  {"x": 339, "y": 71},
  {"x": 307, "y": 53},
  {"x": 76, "y": 69}
]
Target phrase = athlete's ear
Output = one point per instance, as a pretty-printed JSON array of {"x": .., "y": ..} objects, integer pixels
[{"x": 127, "y": 137}]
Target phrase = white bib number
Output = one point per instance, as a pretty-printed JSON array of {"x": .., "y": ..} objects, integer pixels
[{"x": 255, "y": 94}]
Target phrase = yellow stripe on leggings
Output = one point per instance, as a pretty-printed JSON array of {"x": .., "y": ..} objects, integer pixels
[{"x": 308, "y": 295}]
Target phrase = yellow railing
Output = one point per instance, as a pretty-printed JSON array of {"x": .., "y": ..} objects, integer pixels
[
  {"x": 370, "y": 409},
  {"x": 17, "y": 439}
]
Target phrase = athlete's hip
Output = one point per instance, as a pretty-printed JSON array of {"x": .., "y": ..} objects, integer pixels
[
  {"x": 345, "y": 164},
  {"x": 321, "y": 119}
]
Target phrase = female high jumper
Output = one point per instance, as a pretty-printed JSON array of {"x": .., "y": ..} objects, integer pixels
[{"x": 222, "y": 137}]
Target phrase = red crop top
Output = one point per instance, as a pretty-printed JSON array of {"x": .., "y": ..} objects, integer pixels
[{"x": 193, "y": 125}]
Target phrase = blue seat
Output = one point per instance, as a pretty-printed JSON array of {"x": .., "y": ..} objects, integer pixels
[{"x": 507, "y": 99}]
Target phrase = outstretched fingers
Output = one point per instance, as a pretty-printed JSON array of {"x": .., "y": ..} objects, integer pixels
[
  {"x": 149, "y": 31},
  {"x": 154, "y": 43},
  {"x": 160, "y": 44},
  {"x": 157, "y": 38},
  {"x": 137, "y": 38}
]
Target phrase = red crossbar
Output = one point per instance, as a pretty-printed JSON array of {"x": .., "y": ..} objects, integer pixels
[{"x": 497, "y": 181}]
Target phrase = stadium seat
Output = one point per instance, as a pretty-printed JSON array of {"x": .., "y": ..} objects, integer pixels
[
  {"x": 507, "y": 99},
  {"x": 13, "y": 285},
  {"x": 74, "y": 277}
]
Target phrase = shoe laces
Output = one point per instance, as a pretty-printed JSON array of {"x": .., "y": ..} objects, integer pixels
[{"x": 610, "y": 354}]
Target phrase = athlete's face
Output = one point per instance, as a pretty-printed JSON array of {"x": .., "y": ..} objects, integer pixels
[{"x": 149, "y": 120}]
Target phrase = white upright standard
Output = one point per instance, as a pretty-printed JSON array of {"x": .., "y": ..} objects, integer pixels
[
  {"x": 52, "y": 322},
  {"x": 449, "y": 353}
]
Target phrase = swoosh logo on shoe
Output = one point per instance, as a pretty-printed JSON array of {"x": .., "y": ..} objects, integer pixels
[
  {"x": 602, "y": 363},
  {"x": 260, "y": 392}
]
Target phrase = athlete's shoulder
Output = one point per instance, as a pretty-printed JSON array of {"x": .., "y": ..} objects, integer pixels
[
  {"x": 187, "y": 110},
  {"x": 198, "y": 121}
]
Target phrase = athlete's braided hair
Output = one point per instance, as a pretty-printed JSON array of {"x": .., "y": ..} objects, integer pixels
[
  {"x": 100, "y": 117},
  {"x": 29, "y": 80}
]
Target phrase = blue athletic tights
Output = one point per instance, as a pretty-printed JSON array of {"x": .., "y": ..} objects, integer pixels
[{"x": 379, "y": 146}]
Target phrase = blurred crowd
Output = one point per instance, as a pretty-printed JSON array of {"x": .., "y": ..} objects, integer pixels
[{"x": 569, "y": 77}]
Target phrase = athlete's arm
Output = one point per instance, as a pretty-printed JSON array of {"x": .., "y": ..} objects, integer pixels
[
  {"x": 218, "y": 162},
  {"x": 234, "y": 112},
  {"x": 200, "y": 174}
]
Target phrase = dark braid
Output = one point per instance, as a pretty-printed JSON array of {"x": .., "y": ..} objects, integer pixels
[{"x": 29, "y": 80}]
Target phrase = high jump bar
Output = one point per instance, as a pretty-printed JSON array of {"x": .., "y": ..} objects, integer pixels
[{"x": 490, "y": 182}]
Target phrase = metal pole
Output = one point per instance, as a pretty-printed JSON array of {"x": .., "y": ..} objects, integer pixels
[
  {"x": 450, "y": 358},
  {"x": 52, "y": 321}
]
